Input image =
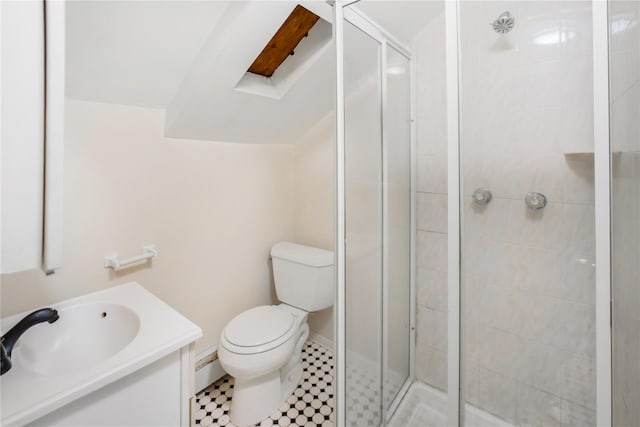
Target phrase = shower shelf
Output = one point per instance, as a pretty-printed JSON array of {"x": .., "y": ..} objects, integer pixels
[
  {"x": 578, "y": 153},
  {"x": 585, "y": 153}
]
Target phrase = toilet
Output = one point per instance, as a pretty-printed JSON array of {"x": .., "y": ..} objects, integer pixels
[{"x": 261, "y": 347}]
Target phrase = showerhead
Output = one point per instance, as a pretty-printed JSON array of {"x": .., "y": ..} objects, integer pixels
[{"x": 504, "y": 23}]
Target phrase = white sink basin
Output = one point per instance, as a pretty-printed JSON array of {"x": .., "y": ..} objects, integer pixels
[
  {"x": 57, "y": 364},
  {"x": 82, "y": 337}
]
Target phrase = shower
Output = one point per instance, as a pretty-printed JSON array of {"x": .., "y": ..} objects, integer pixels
[
  {"x": 504, "y": 23},
  {"x": 499, "y": 303}
]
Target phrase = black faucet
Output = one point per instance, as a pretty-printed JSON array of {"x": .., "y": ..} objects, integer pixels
[{"x": 9, "y": 339}]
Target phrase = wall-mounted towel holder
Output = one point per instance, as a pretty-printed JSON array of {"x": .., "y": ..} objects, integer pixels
[{"x": 113, "y": 261}]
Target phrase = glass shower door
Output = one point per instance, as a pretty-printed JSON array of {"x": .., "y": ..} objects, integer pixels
[
  {"x": 378, "y": 223},
  {"x": 364, "y": 240},
  {"x": 397, "y": 221}
]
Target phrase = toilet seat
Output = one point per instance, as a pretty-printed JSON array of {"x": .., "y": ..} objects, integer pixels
[{"x": 258, "y": 330}]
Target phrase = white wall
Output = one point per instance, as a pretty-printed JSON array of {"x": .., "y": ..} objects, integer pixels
[
  {"x": 212, "y": 209},
  {"x": 314, "y": 201}
]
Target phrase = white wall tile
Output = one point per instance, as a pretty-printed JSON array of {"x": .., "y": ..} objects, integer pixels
[
  {"x": 432, "y": 174},
  {"x": 578, "y": 380},
  {"x": 579, "y": 180},
  {"x": 579, "y": 277},
  {"x": 502, "y": 352},
  {"x": 498, "y": 394},
  {"x": 432, "y": 289},
  {"x": 537, "y": 408},
  {"x": 544, "y": 367},
  {"x": 432, "y": 212},
  {"x": 625, "y": 127},
  {"x": 432, "y": 328},
  {"x": 431, "y": 366},
  {"x": 432, "y": 251},
  {"x": 574, "y": 415},
  {"x": 471, "y": 381}
]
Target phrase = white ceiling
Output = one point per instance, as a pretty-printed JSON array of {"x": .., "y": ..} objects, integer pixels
[
  {"x": 187, "y": 57},
  {"x": 134, "y": 52},
  {"x": 403, "y": 19}
]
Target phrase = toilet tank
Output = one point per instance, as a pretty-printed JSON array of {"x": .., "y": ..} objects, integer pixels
[{"x": 303, "y": 276}]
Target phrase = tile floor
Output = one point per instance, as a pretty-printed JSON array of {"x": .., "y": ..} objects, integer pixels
[
  {"x": 310, "y": 405},
  {"x": 362, "y": 397}
]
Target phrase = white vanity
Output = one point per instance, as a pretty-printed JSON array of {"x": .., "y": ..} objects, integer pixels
[{"x": 118, "y": 357}]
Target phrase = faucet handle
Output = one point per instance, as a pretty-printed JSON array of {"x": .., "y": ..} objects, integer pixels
[
  {"x": 482, "y": 196},
  {"x": 535, "y": 200}
]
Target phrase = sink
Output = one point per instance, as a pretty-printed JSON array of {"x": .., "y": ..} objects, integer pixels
[
  {"x": 83, "y": 336},
  {"x": 108, "y": 348}
]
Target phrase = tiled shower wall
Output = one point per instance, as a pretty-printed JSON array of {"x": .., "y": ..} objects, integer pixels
[
  {"x": 624, "y": 26},
  {"x": 431, "y": 274},
  {"x": 528, "y": 276}
]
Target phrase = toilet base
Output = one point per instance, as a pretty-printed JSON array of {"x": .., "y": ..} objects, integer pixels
[
  {"x": 254, "y": 399},
  {"x": 291, "y": 373},
  {"x": 290, "y": 382}
]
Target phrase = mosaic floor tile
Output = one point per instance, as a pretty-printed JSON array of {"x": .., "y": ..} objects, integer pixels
[{"x": 310, "y": 405}]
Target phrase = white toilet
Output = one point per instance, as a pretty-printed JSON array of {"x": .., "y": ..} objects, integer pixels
[{"x": 261, "y": 347}]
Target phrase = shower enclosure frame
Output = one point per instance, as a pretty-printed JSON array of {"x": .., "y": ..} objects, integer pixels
[
  {"x": 602, "y": 178},
  {"x": 371, "y": 29},
  {"x": 602, "y": 181}
]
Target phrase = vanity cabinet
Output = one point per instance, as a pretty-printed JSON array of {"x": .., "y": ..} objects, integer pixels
[{"x": 152, "y": 396}]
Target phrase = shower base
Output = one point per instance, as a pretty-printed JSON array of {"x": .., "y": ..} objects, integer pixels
[{"x": 424, "y": 406}]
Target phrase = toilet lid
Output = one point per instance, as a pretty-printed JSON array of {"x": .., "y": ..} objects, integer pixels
[{"x": 258, "y": 326}]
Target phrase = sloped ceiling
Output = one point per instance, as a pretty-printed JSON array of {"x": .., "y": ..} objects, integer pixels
[
  {"x": 187, "y": 57},
  {"x": 209, "y": 107},
  {"x": 134, "y": 52}
]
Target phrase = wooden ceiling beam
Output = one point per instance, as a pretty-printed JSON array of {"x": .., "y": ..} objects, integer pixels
[{"x": 284, "y": 41}]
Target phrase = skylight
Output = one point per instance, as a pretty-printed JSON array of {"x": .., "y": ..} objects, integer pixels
[{"x": 284, "y": 41}]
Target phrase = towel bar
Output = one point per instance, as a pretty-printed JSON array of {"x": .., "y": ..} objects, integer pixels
[{"x": 113, "y": 261}]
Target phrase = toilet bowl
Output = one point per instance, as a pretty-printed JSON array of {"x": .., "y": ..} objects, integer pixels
[
  {"x": 261, "y": 347},
  {"x": 266, "y": 370}
]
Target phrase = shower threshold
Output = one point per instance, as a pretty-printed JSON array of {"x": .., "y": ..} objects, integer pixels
[{"x": 425, "y": 406}]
